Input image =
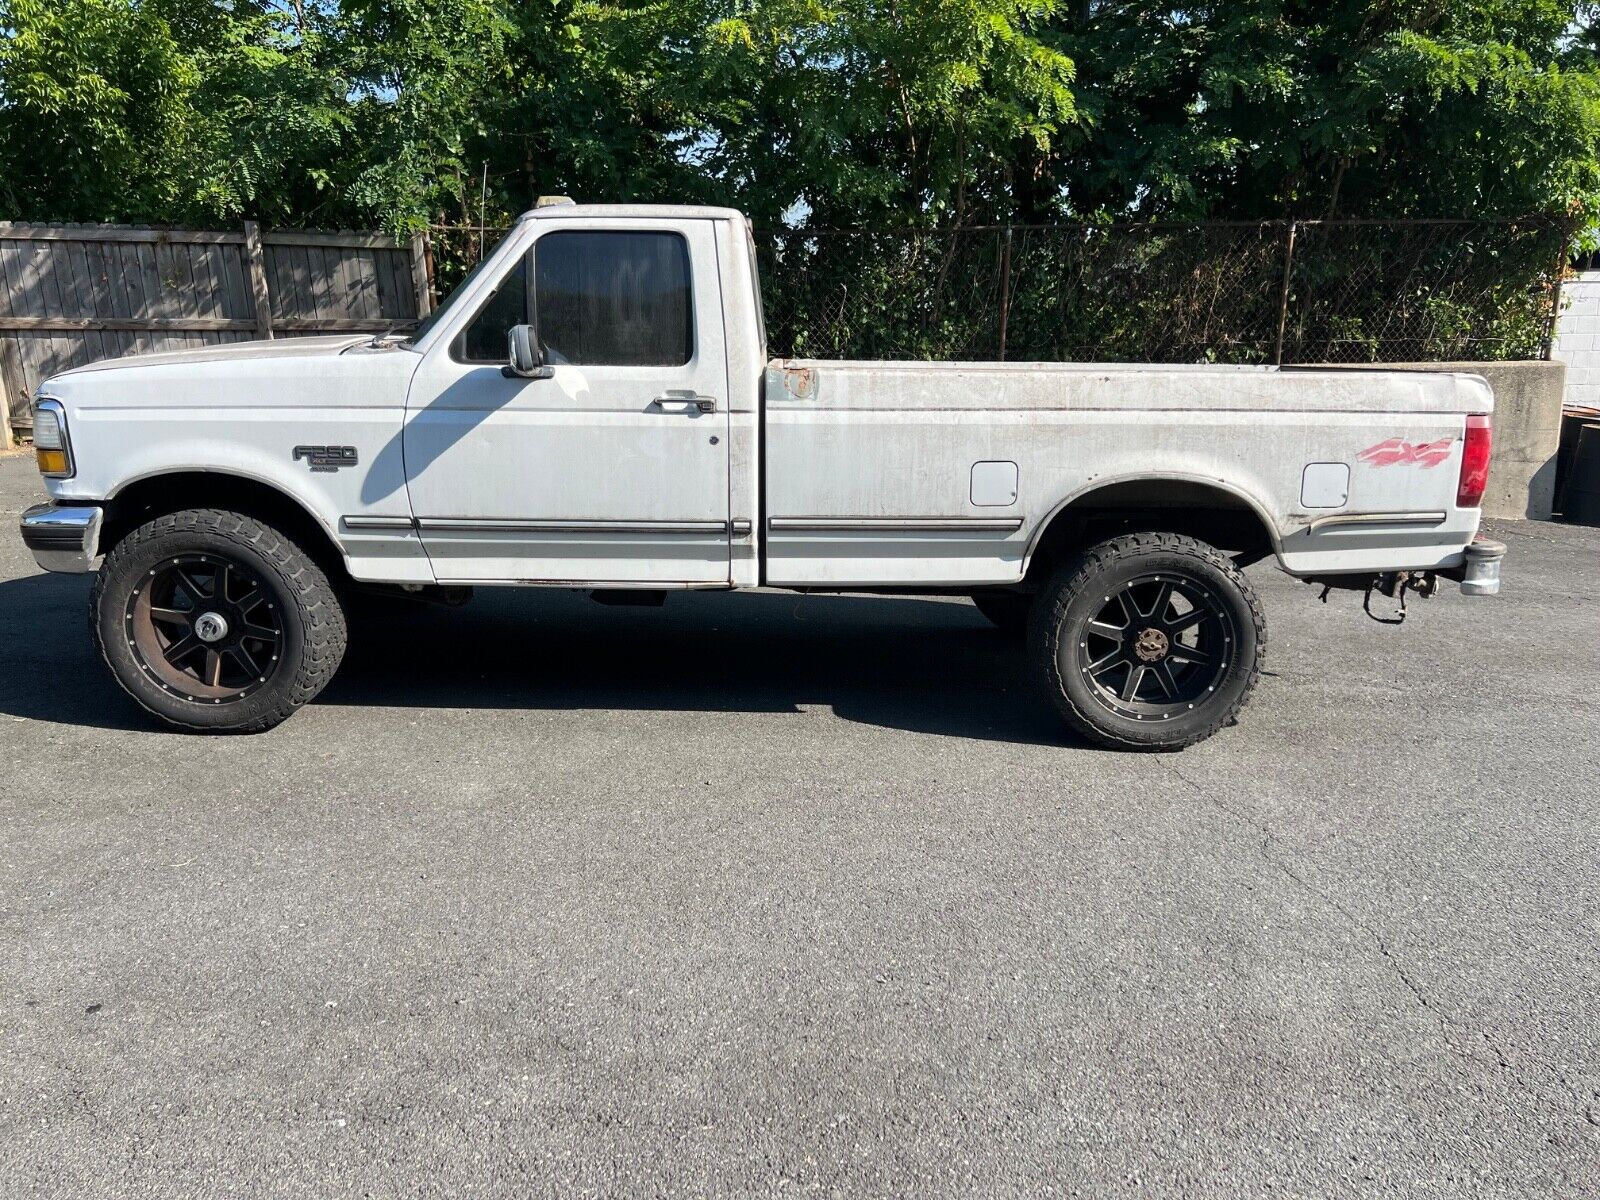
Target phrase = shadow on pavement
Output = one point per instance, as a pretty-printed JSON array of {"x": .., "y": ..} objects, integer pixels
[
  {"x": 920, "y": 665},
  {"x": 49, "y": 670}
]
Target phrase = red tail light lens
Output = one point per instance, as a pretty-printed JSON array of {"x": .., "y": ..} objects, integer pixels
[{"x": 1474, "y": 463}]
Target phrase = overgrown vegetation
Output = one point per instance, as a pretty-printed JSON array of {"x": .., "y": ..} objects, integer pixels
[
  {"x": 909, "y": 115},
  {"x": 850, "y": 113}
]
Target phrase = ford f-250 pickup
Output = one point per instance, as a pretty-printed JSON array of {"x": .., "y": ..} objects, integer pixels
[{"x": 593, "y": 408}]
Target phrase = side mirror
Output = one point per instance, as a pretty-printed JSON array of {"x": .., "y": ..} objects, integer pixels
[{"x": 526, "y": 357}]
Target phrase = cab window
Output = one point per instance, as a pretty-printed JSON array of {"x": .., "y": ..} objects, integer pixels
[{"x": 617, "y": 299}]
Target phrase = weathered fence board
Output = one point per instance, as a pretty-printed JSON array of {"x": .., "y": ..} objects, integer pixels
[{"x": 73, "y": 294}]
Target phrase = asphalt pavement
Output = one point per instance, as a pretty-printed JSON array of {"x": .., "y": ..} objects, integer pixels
[{"x": 760, "y": 894}]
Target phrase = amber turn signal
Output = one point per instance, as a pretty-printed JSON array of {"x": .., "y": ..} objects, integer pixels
[{"x": 52, "y": 462}]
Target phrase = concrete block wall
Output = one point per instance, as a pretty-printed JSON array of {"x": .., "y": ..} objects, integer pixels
[{"x": 1578, "y": 338}]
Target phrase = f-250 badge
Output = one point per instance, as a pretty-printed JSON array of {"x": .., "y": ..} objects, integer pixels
[{"x": 326, "y": 458}]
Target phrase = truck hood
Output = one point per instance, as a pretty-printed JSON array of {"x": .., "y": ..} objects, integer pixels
[
  {"x": 307, "y": 347},
  {"x": 313, "y": 374}
]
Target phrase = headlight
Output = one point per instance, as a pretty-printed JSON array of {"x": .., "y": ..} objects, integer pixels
[{"x": 50, "y": 445}]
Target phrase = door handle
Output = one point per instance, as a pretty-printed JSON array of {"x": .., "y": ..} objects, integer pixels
[{"x": 684, "y": 402}]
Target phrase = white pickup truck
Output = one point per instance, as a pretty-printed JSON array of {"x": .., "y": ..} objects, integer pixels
[{"x": 593, "y": 408}]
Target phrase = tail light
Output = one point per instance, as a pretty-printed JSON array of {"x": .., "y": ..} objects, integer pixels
[{"x": 1474, "y": 462}]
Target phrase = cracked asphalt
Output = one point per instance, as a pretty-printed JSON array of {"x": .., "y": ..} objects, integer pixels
[{"x": 753, "y": 894}]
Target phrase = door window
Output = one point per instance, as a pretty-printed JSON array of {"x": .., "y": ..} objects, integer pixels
[
  {"x": 484, "y": 340},
  {"x": 613, "y": 299},
  {"x": 600, "y": 299}
]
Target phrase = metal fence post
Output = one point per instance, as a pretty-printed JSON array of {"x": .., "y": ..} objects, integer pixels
[
  {"x": 427, "y": 263},
  {"x": 1005, "y": 290},
  {"x": 1283, "y": 295},
  {"x": 1554, "y": 326},
  {"x": 258, "y": 279}
]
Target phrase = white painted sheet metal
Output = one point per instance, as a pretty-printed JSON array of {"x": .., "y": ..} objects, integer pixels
[
  {"x": 896, "y": 442},
  {"x": 942, "y": 475}
]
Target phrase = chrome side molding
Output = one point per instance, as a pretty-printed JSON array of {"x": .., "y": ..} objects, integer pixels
[
  {"x": 736, "y": 528},
  {"x": 379, "y": 523},
  {"x": 1333, "y": 520},
  {"x": 894, "y": 524},
  {"x": 455, "y": 525}
]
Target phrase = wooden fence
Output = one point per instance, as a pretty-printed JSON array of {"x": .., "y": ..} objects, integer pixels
[{"x": 72, "y": 294}]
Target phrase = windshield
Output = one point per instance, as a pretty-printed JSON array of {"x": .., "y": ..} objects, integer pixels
[{"x": 461, "y": 289}]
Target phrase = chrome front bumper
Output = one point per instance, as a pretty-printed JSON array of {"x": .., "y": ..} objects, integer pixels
[{"x": 63, "y": 537}]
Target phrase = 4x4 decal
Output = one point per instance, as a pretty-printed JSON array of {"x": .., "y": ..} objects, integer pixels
[{"x": 1398, "y": 452}]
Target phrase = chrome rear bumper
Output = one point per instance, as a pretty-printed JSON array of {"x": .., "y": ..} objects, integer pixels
[
  {"x": 63, "y": 537},
  {"x": 1479, "y": 572}
]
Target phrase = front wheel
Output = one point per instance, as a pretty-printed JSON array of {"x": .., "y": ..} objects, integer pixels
[
  {"x": 1152, "y": 641},
  {"x": 216, "y": 622}
]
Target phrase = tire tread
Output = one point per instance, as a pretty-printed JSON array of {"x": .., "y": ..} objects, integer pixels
[
  {"x": 326, "y": 630},
  {"x": 1070, "y": 579}
]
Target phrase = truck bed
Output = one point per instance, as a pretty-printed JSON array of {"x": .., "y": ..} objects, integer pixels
[{"x": 896, "y": 473}]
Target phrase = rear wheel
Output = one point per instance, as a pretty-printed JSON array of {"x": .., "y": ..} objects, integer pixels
[
  {"x": 1151, "y": 641},
  {"x": 214, "y": 621}
]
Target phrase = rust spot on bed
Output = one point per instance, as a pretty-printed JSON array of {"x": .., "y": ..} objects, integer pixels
[{"x": 800, "y": 382}]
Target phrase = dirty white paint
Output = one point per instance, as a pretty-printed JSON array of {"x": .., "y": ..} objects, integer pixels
[
  {"x": 937, "y": 474},
  {"x": 895, "y": 441}
]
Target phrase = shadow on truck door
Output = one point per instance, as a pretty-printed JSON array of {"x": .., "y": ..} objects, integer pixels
[{"x": 923, "y": 665}]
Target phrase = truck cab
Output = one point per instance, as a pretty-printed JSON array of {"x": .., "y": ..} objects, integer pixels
[{"x": 622, "y": 453}]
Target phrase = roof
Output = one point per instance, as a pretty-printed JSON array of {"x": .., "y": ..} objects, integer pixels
[{"x": 680, "y": 211}]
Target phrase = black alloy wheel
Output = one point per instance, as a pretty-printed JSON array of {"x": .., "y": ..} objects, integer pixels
[
  {"x": 216, "y": 621},
  {"x": 205, "y": 628},
  {"x": 1148, "y": 641},
  {"x": 1157, "y": 647}
]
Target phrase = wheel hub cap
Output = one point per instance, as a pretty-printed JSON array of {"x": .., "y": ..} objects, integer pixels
[
  {"x": 1151, "y": 645},
  {"x": 211, "y": 627}
]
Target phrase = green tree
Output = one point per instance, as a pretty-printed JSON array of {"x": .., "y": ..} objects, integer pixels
[
  {"x": 93, "y": 110},
  {"x": 910, "y": 112},
  {"x": 846, "y": 112},
  {"x": 193, "y": 111},
  {"x": 428, "y": 78},
  {"x": 1332, "y": 108}
]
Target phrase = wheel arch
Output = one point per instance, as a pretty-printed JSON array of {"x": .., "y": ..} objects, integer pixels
[
  {"x": 158, "y": 493},
  {"x": 1210, "y": 509}
]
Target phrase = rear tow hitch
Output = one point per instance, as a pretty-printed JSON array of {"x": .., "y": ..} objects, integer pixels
[
  {"x": 1478, "y": 574},
  {"x": 1393, "y": 584}
]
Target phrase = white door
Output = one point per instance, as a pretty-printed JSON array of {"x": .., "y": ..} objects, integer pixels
[{"x": 615, "y": 469}]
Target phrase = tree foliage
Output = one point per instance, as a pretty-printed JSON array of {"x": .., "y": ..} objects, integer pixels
[
  {"x": 1314, "y": 108},
  {"x": 826, "y": 112}
]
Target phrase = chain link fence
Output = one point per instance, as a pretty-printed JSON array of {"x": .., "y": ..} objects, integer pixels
[{"x": 1257, "y": 292}]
